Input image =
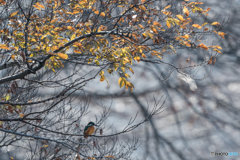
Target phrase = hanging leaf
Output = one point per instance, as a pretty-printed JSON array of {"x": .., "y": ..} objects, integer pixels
[
  {"x": 168, "y": 24},
  {"x": 185, "y": 11},
  {"x": 221, "y": 34}
]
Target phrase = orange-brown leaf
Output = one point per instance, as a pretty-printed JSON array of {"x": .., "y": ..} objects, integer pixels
[
  {"x": 157, "y": 24},
  {"x": 215, "y": 23},
  {"x": 185, "y": 11},
  {"x": 14, "y": 13},
  {"x": 102, "y": 14},
  {"x": 141, "y": 26},
  {"x": 205, "y": 29},
  {"x": 180, "y": 17},
  {"x": 218, "y": 47},
  {"x": 197, "y": 26},
  {"x": 203, "y": 46},
  {"x": 144, "y": 56},
  {"x": 168, "y": 24},
  {"x": 102, "y": 78},
  {"x": 210, "y": 61},
  {"x": 221, "y": 34},
  {"x": 137, "y": 58},
  {"x": 70, "y": 28},
  {"x": 110, "y": 156},
  {"x": 142, "y": 8},
  {"x": 4, "y": 46},
  {"x": 167, "y": 7}
]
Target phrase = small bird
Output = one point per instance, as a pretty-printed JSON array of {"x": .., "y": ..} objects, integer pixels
[{"x": 89, "y": 129}]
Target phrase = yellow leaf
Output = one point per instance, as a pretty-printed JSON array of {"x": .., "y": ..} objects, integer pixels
[
  {"x": 217, "y": 51},
  {"x": 90, "y": 158},
  {"x": 137, "y": 58},
  {"x": 180, "y": 17},
  {"x": 14, "y": 13},
  {"x": 123, "y": 69},
  {"x": 73, "y": 36},
  {"x": 7, "y": 97},
  {"x": 121, "y": 82},
  {"x": 70, "y": 28},
  {"x": 21, "y": 115},
  {"x": 197, "y": 26},
  {"x": 102, "y": 78},
  {"x": 167, "y": 7},
  {"x": 186, "y": 36},
  {"x": 218, "y": 47},
  {"x": 215, "y": 23},
  {"x": 62, "y": 55},
  {"x": 144, "y": 56},
  {"x": 101, "y": 73},
  {"x": 131, "y": 70},
  {"x": 12, "y": 158},
  {"x": 185, "y": 11},
  {"x": 96, "y": 12},
  {"x": 110, "y": 71},
  {"x": 97, "y": 62},
  {"x": 41, "y": 6},
  {"x": 38, "y": 6},
  {"x": 13, "y": 56},
  {"x": 102, "y": 14},
  {"x": 45, "y": 146},
  {"x": 204, "y": 24}
]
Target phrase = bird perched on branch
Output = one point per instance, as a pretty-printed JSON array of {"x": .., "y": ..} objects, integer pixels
[{"x": 89, "y": 129}]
